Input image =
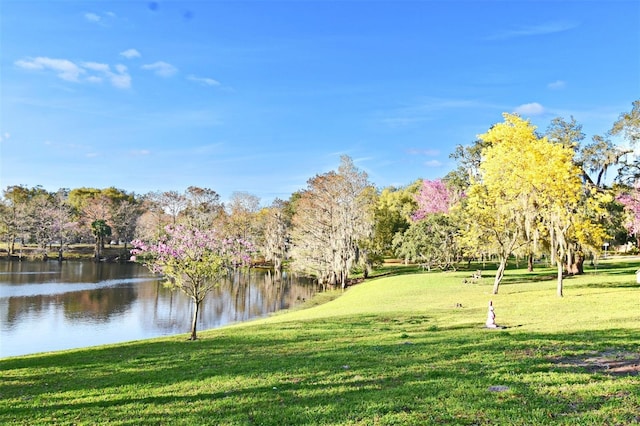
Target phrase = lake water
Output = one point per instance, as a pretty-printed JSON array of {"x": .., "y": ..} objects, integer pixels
[{"x": 48, "y": 306}]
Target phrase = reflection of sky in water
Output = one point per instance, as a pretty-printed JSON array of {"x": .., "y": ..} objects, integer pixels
[
  {"x": 50, "y": 289},
  {"x": 127, "y": 304}
]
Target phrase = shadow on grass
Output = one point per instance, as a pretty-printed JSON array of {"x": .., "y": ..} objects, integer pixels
[{"x": 366, "y": 369}]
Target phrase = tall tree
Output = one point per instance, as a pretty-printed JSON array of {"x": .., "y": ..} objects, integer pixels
[
  {"x": 628, "y": 126},
  {"x": 332, "y": 216},
  {"x": 598, "y": 156},
  {"x": 277, "y": 228}
]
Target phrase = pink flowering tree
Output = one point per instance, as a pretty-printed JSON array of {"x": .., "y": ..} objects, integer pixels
[
  {"x": 192, "y": 261},
  {"x": 434, "y": 197},
  {"x": 631, "y": 203}
]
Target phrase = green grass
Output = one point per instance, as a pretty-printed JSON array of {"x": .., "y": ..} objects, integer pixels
[{"x": 397, "y": 350}]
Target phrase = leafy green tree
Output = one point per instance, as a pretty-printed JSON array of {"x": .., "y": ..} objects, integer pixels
[
  {"x": 100, "y": 231},
  {"x": 392, "y": 215},
  {"x": 430, "y": 241}
]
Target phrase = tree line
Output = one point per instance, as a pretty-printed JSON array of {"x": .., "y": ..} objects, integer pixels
[{"x": 516, "y": 193}]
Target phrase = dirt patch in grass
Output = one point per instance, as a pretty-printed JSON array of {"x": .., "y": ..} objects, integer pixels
[{"x": 615, "y": 362}]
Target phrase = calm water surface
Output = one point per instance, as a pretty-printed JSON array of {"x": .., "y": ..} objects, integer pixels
[{"x": 47, "y": 306}]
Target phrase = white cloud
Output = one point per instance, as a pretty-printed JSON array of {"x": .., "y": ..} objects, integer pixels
[
  {"x": 64, "y": 68},
  {"x": 204, "y": 80},
  {"x": 533, "y": 108},
  {"x": 433, "y": 163},
  {"x": 121, "y": 80},
  {"x": 94, "y": 79},
  {"x": 95, "y": 66},
  {"x": 534, "y": 30},
  {"x": 93, "y": 72},
  {"x": 5, "y": 136},
  {"x": 161, "y": 68},
  {"x": 92, "y": 17},
  {"x": 557, "y": 85},
  {"x": 130, "y": 54}
]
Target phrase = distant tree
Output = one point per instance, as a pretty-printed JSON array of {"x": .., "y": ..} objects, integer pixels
[
  {"x": 193, "y": 261},
  {"x": 203, "y": 208},
  {"x": 430, "y": 241},
  {"x": 242, "y": 210},
  {"x": 392, "y": 215},
  {"x": 100, "y": 231},
  {"x": 566, "y": 133},
  {"x": 468, "y": 159},
  {"x": 125, "y": 219},
  {"x": 434, "y": 197},
  {"x": 22, "y": 215},
  {"x": 114, "y": 207},
  {"x": 62, "y": 221},
  {"x": 172, "y": 203},
  {"x": 598, "y": 156},
  {"x": 276, "y": 235},
  {"x": 630, "y": 199},
  {"x": 628, "y": 126}
]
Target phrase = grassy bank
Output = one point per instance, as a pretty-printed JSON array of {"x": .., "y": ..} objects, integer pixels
[{"x": 407, "y": 349}]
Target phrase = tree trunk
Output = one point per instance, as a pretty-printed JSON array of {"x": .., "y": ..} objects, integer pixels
[
  {"x": 194, "y": 320},
  {"x": 499, "y": 274},
  {"x": 98, "y": 249},
  {"x": 530, "y": 262},
  {"x": 560, "y": 277}
]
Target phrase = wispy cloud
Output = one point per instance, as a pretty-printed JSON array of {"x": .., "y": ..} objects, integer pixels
[
  {"x": 92, "y": 17},
  {"x": 557, "y": 85},
  {"x": 91, "y": 72},
  {"x": 161, "y": 68},
  {"x": 203, "y": 80},
  {"x": 100, "y": 19},
  {"x": 530, "y": 109},
  {"x": 64, "y": 68},
  {"x": 534, "y": 30},
  {"x": 130, "y": 54}
]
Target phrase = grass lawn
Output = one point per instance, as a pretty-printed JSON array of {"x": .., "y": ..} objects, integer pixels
[{"x": 399, "y": 350}]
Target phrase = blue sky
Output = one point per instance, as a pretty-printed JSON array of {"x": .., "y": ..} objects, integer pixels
[{"x": 260, "y": 96}]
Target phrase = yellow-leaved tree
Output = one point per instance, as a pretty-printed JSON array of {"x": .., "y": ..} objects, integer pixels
[{"x": 528, "y": 189}]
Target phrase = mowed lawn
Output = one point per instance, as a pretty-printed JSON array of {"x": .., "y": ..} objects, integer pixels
[{"x": 409, "y": 349}]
